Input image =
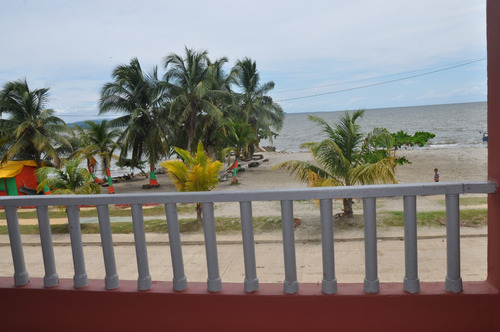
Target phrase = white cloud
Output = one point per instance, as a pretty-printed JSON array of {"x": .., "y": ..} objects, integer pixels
[{"x": 74, "y": 45}]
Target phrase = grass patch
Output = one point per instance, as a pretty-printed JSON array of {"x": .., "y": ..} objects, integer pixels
[
  {"x": 31, "y": 214},
  {"x": 187, "y": 225},
  {"x": 266, "y": 224},
  {"x": 473, "y": 200},
  {"x": 468, "y": 218},
  {"x": 60, "y": 229},
  {"x": 114, "y": 211},
  {"x": 474, "y": 217},
  {"x": 467, "y": 201}
]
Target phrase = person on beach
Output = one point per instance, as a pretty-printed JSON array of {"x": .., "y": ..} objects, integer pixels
[{"x": 436, "y": 175}]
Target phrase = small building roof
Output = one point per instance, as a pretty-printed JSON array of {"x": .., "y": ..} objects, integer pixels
[{"x": 13, "y": 167}]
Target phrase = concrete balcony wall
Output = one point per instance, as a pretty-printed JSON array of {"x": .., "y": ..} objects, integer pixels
[{"x": 94, "y": 309}]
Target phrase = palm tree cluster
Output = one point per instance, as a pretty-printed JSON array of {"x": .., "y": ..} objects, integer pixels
[{"x": 195, "y": 101}]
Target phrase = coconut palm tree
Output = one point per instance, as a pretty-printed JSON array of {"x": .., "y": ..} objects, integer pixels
[
  {"x": 141, "y": 98},
  {"x": 191, "y": 84},
  {"x": 259, "y": 109},
  {"x": 346, "y": 157},
  {"x": 31, "y": 131},
  {"x": 237, "y": 136},
  {"x": 71, "y": 179},
  {"x": 80, "y": 141},
  {"x": 100, "y": 141},
  {"x": 194, "y": 172},
  {"x": 223, "y": 98}
]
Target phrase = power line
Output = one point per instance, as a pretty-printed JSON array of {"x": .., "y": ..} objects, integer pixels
[
  {"x": 384, "y": 82},
  {"x": 370, "y": 78}
]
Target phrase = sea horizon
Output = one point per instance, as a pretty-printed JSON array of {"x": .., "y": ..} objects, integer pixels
[
  {"x": 391, "y": 107},
  {"x": 455, "y": 125}
]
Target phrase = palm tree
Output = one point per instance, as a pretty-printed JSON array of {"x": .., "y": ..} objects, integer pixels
[
  {"x": 72, "y": 179},
  {"x": 31, "y": 131},
  {"x": 255, "y": 105},
  {"x": 191, "y": 83},
  {"x": 194, "y": 173},
  {"x": 223, "y": 98},
  {"x": 346, "y": 157},
  {"x": 100, "y": 140},
  {"x": 237, "y": 136},
  {"x": 142, "y": 98},
  {"x": 80, "y": 141}
]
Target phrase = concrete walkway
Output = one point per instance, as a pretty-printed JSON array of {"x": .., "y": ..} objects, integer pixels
[{"x": 349, "y": 256}]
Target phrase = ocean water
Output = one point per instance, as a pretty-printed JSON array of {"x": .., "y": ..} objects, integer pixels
[{"x": 455, "y": 125}]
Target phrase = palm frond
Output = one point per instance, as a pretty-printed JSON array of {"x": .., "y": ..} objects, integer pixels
[
  {"x": 177, "y": 172},
  {"x": 303, "y": 171},
  {"x": 380, "y": 172}
]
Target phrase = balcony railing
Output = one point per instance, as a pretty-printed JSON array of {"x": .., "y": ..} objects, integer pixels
[{"x": 369, "y": 194}]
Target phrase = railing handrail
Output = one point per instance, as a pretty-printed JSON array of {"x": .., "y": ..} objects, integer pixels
[
  {"x": 409, "y": 192},
  {"x": 392, "y": 190}
]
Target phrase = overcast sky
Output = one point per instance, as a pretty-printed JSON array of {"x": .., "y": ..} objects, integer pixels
[{"x": 353, "y": 54}]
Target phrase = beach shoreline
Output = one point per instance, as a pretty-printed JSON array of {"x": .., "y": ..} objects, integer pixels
[{"x": 454, "y": 164}]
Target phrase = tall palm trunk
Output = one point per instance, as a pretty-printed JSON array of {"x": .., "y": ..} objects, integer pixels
[
  {"x": 191, "y": 131},
  {"x": 198, "y": 214},
  {"x": 348, "y": 202}
]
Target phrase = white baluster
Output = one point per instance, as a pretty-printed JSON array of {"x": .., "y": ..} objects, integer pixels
[
  {"x": 80, "y": 277},
  {"x": 51, "y": 278},
  {"x": 214, "y": 281},
  {"x": 453, "y": 281},
  {"x": 179, "y": 279},
  {"x": 111, "y": 280},
  {"x": 251, "y": 281},
  {"x": 144, "y": 281},
  {"x": 21, "y": 276},
  {"x": 290, "y": 285},
  {"x": 411, "y": 281},
  {"x": 371, "y": 284},
  {"x": 329, "y": 282}
]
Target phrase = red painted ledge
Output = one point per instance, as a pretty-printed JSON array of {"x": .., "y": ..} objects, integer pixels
[{"x": 269, "y": 309}]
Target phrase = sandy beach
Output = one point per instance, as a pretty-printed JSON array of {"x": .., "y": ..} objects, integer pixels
[{"x": 453, "y": 164}]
